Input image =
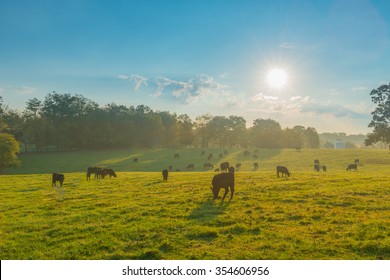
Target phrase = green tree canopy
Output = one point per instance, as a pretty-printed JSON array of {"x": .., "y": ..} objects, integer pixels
[
  {"x": 9, "y": 147},
  {"x": 380, "y": 116}
]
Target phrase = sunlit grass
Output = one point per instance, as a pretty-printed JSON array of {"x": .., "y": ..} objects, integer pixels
[{"x": 333, "y": 215}]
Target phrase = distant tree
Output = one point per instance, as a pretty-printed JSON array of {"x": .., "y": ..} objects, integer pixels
[
  {"x": 312, "y": 138},
  {"x": 185, "y": 130},
  {"x": 9, "y": 148},
  {"x": 266, "y": 133},
  {"x": 380, "y": 116}
]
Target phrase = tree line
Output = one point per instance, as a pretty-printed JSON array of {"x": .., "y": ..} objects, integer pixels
[{"x": 65, "y": 122}]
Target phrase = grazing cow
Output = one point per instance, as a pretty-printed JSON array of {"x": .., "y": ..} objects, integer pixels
[
  {"x": 324, "y": 168},
  {"x": 203, "y": 153},
  {"x": 57, "y": 177},
  {"x": 100, "y": 173},
  {"x": 255, "y": 165},
  {"x": 177, "y": 155},
  {"x": 283, "y": 170},
  {"x": 165, "y": 175},
  {"x": 210, "y": 156},
  {"x": 247, "y": 153},
  {"x": 316, "y": 161},
  {"x": 238, "y": 165},
  {"x": 208, "y": 165},
  {"x": 177, "y": 170},
  {"x": 135, "y": 160},
  {"x": 357, "y": 161},
  {"x": 110, "y": 172},
  {"x": 92, "y": 170},
  {"x": 352, "y": 166},
  {"x": 316, "y": 167},
  {"x": 223, "y": 181},
  {"x": 190, "y": 166},
  {"x": 224, "y": 166}
]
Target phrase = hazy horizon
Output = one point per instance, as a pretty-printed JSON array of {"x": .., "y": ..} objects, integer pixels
[{"x": 199, "y": 57}]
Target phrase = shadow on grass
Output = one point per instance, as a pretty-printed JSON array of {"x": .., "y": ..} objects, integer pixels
[{"x": 208, "y": 211}]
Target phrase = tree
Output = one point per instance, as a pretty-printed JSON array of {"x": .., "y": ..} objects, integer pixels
[
  {"x": 266, "y": 133},
  {"x": 380, "y": 116},
  {"x": 9, "y": 147}
]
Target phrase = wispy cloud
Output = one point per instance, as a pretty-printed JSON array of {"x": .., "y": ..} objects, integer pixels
[
  {"x": 23, "y": 90},
  {"x": 139, "y": 81},
  {"x": 191, "y": 90},
  {"x": 262, "y": 97},
  {"x": 123, "y": 77},
  {"x": 359, "y": 88},
  {"x": 287, "y": 46}
]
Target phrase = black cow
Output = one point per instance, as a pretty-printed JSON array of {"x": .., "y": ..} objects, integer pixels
[
  {"x": 238, "y": 165},
  {"x": 352, "y": 166},
  {"x": 190, "y": 166},
  {"x": 255, "y": 165},
  {"x": 57, "y": 177},
  {"x": 283, "y": 170},
  {"x": 92, "y": 170},
  {"x": 100, "y": 173},
  {"x": 316, "y": 161},
  {"x": 324, "y": 168},
  {"x": 177, "y": 155},
  {"x": 135, "y": 160},
  {"x": 224, "y": 166},
  {"x": 165, "y": 175},
  {"x": 208, "y": 165},
  {"x": 110, "y": 172},
  {"x": 316, "y": 167},
  {"x": 223, "y": 181}
]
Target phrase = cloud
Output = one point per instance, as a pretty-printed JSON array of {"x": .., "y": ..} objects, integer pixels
[
  {"x": 18, "y": 90},
  {"x": 262, "y": 97},
  {"x": 287, "y": 46},
  {"x": 139, "y": 81},
  {"x": 123, "y": 77},
  {"x": 359, "y": 88},
  {"x": 202, "y": 86},
  {"x": 336, "y": 110}
]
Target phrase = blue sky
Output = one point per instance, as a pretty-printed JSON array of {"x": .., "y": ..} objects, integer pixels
[{"x": 199, "y": 57}]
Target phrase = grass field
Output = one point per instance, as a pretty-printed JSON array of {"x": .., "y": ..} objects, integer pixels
[{"x": 311, "y": 215}]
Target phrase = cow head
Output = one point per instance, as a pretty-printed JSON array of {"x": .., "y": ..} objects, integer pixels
[{"x": 215, "y": 191}]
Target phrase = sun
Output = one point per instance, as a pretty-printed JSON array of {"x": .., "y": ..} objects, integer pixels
[{"x": 277, "y": 77}]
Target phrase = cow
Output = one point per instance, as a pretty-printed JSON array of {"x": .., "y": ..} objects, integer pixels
[
  {"x": 283, "y": 170},
  {"x": 210, "y": 156},
  {"x": 202, "y": 153},
  {"x": 100, "y": 173},
  {"x": 92, "y": 170},
  {"x": 316, "y": 161},
  {"x": 190, "y": 166},
  {"x": 170, "y": 168},
  {"x": 110, "y": 172},
  {"x": 316, "y": 167},
  {"x": 224, "y": 166},
  {"x": 176, "y": 155},
  {"x": 135, "y": 160},
  {"x": 352, "y": 166},
  {"x": 57, "y": 177},
  {"x": 165, "y": 175},
  {"x": 324, "y": 168},
  {"x": 238, "y": 165},
  {"x": 255, "y": 165},
  {"x": 357, "y": 161},
  {"x": 208, "y": 165},
  {"x": 223, "y": 181}
]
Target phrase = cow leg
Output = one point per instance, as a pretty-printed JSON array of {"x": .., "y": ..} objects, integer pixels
[
  {"x": 226, "y": 192},
  {"x": 231, "y": 192}
]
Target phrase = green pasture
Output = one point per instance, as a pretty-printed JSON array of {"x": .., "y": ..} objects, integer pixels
[{"x": 311, "y": 215}]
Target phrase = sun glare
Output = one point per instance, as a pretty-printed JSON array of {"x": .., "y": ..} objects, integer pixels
[{"x": 277, "y": 78}]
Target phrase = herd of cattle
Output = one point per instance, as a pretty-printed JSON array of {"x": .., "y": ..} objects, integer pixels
[{"x": 223, "y": 180}]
